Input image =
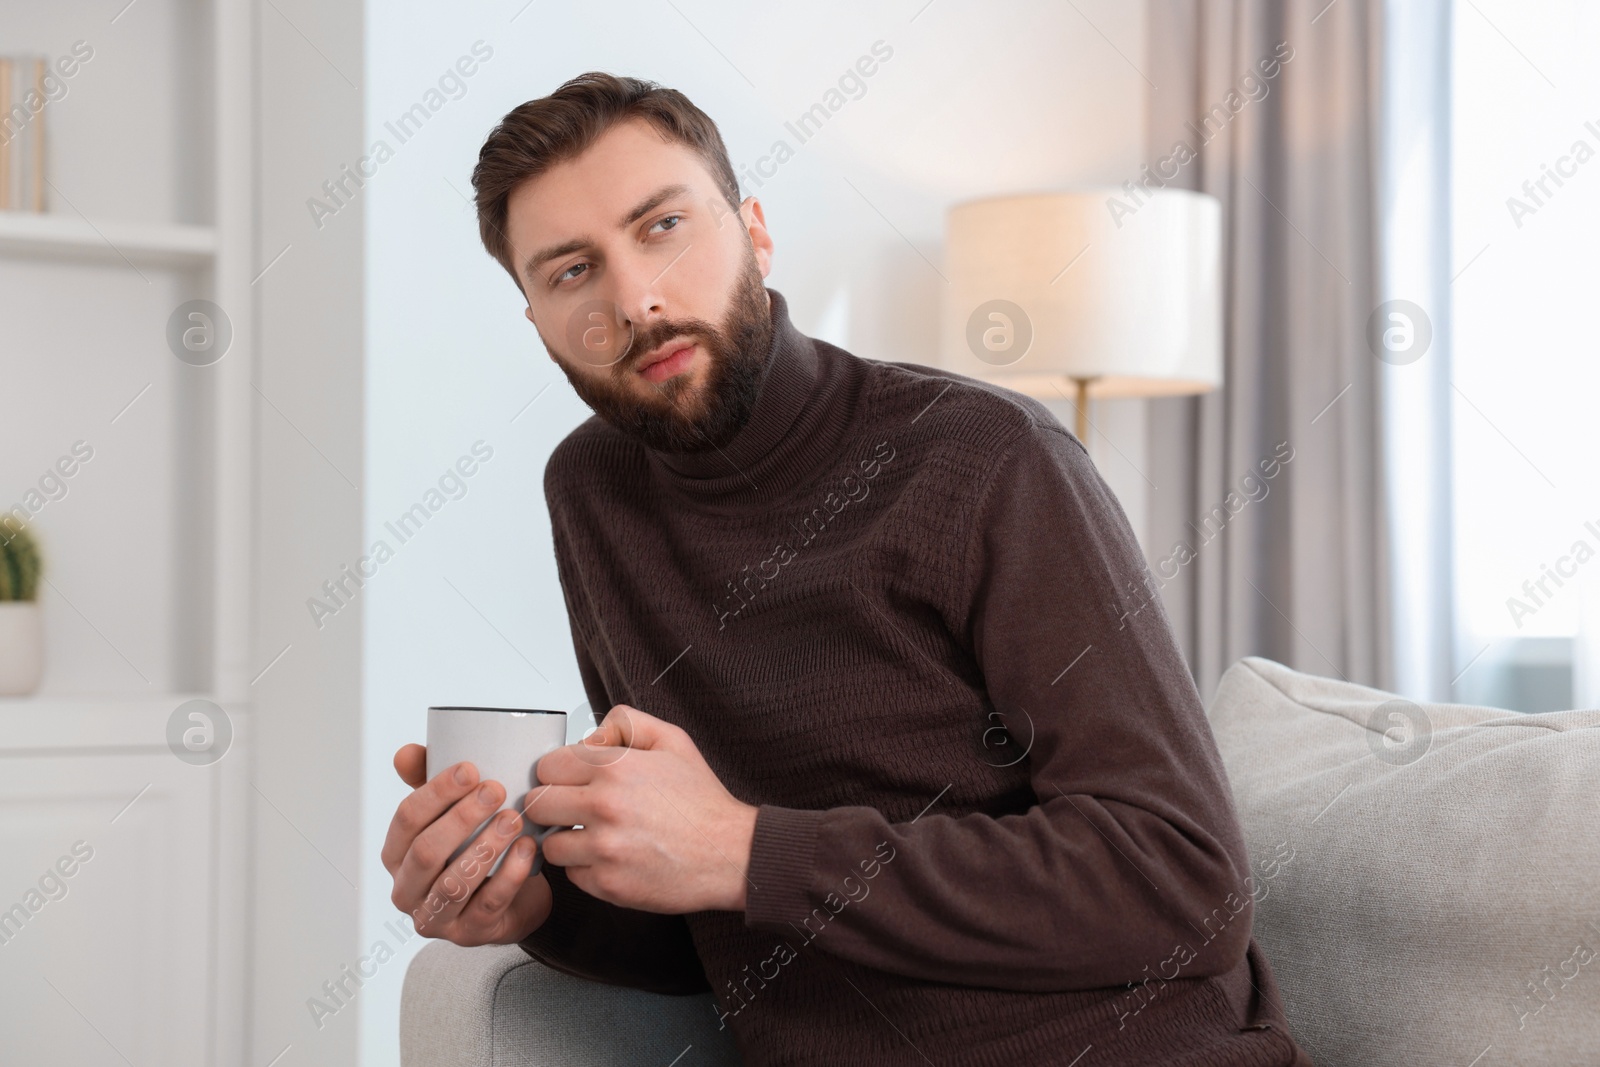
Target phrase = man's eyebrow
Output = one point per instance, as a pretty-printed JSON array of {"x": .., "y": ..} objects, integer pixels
[
  {"x": 651, "y": 202},
  {"x": 577, "y": 244},
  {"x": 538, "y": 259}
]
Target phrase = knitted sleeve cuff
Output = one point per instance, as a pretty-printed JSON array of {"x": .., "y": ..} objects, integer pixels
[
  {"x": 782, "y": 865},
  {"x": 590, "y": 939}
]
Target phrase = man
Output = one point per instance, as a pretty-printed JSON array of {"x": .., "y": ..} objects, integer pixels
[{"x": 885, "y": 767}]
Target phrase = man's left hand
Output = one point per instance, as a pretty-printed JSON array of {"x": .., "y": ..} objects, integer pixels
[{"x": 660, "y": 833}]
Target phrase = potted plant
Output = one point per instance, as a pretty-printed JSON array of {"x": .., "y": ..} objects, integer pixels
[{"x": 21, "y": 633}]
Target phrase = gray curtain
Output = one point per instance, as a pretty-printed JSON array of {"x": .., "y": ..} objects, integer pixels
[{"x": 1267, "y": 531}]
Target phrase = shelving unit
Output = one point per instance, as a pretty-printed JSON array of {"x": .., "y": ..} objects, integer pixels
[
  {"x": 35, "y": 722},
  {"x": 152, "y": 944},
  {"x": 63, "y": 237},
  {"x": 221, "y": 254}
]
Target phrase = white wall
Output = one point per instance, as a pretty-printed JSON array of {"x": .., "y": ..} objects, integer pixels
[
  {"x": 310, "y": 855},
  {"x": 972, "y": 102}
]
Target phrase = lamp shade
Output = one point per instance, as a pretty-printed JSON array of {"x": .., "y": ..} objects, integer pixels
[{"x": 1047, "y": 290}]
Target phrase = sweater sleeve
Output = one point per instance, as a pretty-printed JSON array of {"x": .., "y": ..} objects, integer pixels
[
  {"x": 1132, "y": 846},
  {"x": 590, "y": 938}
]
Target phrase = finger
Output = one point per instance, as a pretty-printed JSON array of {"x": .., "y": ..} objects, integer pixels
[
  {"x": 559, "y": 805},
  {"x": 449, "y": 894},
  {"x": 625, "y": 728},
  {"x": 573, "y": 849},
  {"x": 489, "y": 903},
  {"x": 609, "y": 731},
  {"x": 425, "y": 803},
  {"x": 628, "y": 726},
  {"x": 411, "y": 763},
  {"x": 422, "y": 808},
  {"x": 430, "y": 852},
  {"x": 575, "y": 764}
]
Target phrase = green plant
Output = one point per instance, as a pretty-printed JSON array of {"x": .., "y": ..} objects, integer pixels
[{"x": 19, "y": 562}]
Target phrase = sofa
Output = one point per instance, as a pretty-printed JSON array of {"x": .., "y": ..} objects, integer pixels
[{"x": 1429, "y": 895}]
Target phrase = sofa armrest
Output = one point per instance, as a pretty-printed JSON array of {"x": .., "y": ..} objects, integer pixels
[{"x": 478, "y": 1007}]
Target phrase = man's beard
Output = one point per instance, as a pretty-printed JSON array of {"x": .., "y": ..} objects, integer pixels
[{"x": 736, "y": 355}]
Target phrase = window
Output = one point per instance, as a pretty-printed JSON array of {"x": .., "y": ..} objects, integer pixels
[{"x": 1525, "y": 373}]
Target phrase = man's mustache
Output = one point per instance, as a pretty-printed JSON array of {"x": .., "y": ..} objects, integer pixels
[{"x": 643, "y": 345}]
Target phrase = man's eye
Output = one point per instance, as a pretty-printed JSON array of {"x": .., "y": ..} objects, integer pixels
[
  {"x": 674, "y": 219},
  {"x": 559, "y": 278}
]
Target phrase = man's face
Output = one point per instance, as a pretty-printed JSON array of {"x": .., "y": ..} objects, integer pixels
[{"x": 628, "y": 254}]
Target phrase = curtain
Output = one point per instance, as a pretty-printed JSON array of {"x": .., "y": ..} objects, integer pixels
[{"x": 1267, "y": 534}]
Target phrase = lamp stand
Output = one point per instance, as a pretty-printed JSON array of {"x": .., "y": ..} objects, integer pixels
[{"x": 1082, "y": 404}]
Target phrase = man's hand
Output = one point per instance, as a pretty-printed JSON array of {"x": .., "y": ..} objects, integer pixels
[
  {"x": 659, "y": 832},
  {"x": 457, "y": 904}
]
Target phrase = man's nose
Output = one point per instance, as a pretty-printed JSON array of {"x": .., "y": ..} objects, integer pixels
[{"x": 636, "y": 290}]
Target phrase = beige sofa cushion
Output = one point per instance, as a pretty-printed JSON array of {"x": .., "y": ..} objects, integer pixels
[{"x": 1428, "y": 875}]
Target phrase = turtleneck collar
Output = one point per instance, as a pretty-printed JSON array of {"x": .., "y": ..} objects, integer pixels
[{"x": 798, "y": 418}]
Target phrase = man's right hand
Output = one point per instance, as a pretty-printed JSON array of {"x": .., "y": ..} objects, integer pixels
[{"x": 458, "y": 904}]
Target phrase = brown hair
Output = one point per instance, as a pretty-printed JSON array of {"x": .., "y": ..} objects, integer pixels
[{"x": 552, "y": 129}]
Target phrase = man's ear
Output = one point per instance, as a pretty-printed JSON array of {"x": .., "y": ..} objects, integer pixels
[
  {"x": 755, "y": 221},
  {"x": 528, "y": 311}
]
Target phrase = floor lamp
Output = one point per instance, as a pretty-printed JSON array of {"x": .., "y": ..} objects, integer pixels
[{"x": 1086, "y": 294}]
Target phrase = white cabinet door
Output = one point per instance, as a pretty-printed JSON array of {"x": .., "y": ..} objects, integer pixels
[{"x": 107, "y": 892}]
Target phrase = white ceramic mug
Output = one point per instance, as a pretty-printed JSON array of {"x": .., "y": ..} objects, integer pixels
[{"x": 504, "y": 744}]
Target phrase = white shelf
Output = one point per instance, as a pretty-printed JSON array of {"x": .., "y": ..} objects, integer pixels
[
  {"x": 88, "y": 721},
  {"x": 52, "y": 703},
  {"x": 56, "y": 236}
]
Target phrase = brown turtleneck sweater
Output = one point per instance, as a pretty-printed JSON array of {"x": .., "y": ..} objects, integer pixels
[{"x": 993, "y": 828}]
